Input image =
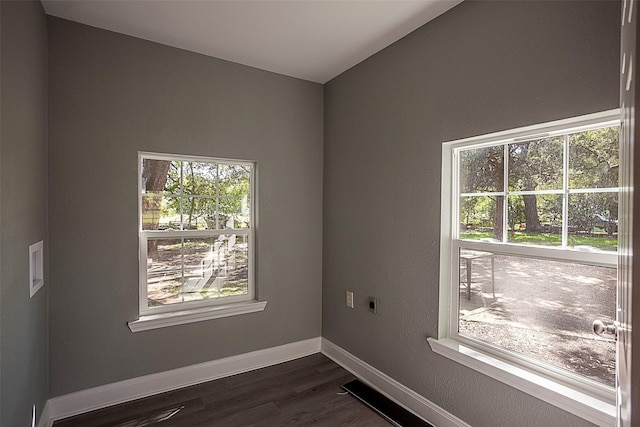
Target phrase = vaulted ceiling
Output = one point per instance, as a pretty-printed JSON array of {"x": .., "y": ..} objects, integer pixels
[{"x": 308, "y": 39}]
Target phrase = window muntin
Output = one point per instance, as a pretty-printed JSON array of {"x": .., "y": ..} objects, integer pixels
[
  {"x": 575, "y": 202},
  {"x": 559, "y": 190},
  {"x": 196, "y": 232}
]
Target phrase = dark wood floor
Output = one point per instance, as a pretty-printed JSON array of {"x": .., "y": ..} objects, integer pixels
[{"x": 303, "y": 392}]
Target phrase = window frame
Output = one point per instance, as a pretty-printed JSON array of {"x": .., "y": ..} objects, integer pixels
[
  {"x": 188, "y": 311},
  {"x": 579, "y": 395}
]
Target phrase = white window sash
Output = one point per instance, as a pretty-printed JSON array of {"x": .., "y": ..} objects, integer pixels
[
  {"x": 552, "y": 253},
  {"x": 145, "y": 309},
  {"x": 605, "y": 259},
  {"x": 598, "y": 121},
  {"x": 145, "y": 235},
  {"x": 449, "y": 267}
]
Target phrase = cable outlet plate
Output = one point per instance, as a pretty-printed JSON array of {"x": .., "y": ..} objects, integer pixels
[{"x": 373, "y": 305}]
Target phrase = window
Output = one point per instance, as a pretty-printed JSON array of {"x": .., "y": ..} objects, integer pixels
[
  {"x": 197, "y": 222},
  {"x": 528, "y": 254}
]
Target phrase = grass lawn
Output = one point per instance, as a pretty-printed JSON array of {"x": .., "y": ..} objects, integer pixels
[{"x": 604, "y": 242}]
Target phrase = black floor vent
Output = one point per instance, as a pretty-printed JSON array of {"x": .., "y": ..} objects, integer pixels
[{"x": 393, "y": 412}]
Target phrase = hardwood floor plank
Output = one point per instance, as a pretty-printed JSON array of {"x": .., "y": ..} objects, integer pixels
[{"x": 302, "y": 392}]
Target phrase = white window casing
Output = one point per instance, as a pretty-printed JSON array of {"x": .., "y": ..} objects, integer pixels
[
  {"x": 579, "y": 395},
  {"x": 151, "y": 317}
]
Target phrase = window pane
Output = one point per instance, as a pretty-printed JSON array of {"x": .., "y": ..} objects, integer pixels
[
  {"x": 541, "y": 309},
  {"x": 170, "y": 208},
  {"x": 481, "y": 217},
  {"x": 235, "y": 263},
  {"x": 164, "y": 287},
  {"x": 160, "y": 206},
  {"x": 536, "y": 165},
  {"x": 235, "y": 210},
  {"x": 235, "y": 190},
  {"x": 152, "y": 210},
  {"x": 197, "y": 212},
  {"x": 200, "y": 178},
  {"x": 593, "y": 221},
  {"x": 160, "y": 175},
  {"x": 216, "y": 267},
  {"x": 173, "y": 181},
  {"x": 195, "y": 195},
  {"x": 482, "y": 170},
  {"x": 164, "y": 254},
  {"x": 535, "y": 219},
  {"x": 181, "y": 270},
  {"x": 164, "y": 271},
  {"x": 594, "y": 158},
  {"x": 202, "y": 260},
  {"x": 234, "y": 179}
]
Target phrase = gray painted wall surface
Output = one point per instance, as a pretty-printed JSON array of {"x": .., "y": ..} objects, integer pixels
[
  {"x": 23, "y": 197},
  {"x": 113, "y": 95},
  {"x": 481, "y": 67}
]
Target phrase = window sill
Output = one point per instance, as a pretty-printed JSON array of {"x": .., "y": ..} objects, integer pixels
[
  {"x": 571, "y": 400},
  {"x": 145, "y": 323}
]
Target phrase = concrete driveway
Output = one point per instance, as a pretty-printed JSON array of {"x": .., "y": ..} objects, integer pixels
[{"x": 543, "y": 309}]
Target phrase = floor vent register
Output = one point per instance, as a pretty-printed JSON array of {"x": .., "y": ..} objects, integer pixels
[{"x": 391, "y": 411}]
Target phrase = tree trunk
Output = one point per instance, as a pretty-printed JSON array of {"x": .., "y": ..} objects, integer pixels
[
  {"x": 497, "y": 218},
  {"x": 155, "y": 173},
  {"x": 531, "y": 213}
]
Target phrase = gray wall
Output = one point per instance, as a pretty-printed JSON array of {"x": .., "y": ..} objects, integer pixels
[
  {"x": 481, "y": 67},
  {"x": 23, "y": 209},
  {"x": 112, "y": 95}
]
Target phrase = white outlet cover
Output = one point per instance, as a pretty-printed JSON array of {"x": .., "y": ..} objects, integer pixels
[
  {"x": 349, "y": 296},
  {"x": 36, "y": 267}
]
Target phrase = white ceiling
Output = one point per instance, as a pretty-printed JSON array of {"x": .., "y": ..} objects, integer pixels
[{"x": 310, "y": 39}]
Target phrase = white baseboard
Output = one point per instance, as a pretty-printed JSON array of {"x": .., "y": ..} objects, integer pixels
[
  {"x": 123, "y": 391},
  {"x": 391, "y": 388},
  {"x": 112, "y": 394},
  {"x": 45, "y": 416}
]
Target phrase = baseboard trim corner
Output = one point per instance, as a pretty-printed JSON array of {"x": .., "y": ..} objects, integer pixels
[
  {"x": 391, "y": 388},
  {"x": 123, "y": 391},
  {"x": 46, "y": 420}
]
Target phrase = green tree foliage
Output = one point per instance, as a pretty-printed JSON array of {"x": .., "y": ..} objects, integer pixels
[
  {"x": 211, "y": 195},
  {"x": 534, "y": 165},
  {"x": 195, "y": 195},
  {"x": 594, "y": 163},
  {"x": 594, "y": 158},
  {"x": 537, "y": 165},
  {"x": 481, "y": 171}
]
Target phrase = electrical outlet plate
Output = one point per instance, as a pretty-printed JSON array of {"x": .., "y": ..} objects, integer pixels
[{"x": 349, "y": 300}]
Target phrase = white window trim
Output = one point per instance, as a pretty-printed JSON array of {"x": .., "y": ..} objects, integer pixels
[
  {"x": 548, "y": 390},
  {"x": 582, "y": 397},
  {"x": 194, "y": 311},
  {"x": 145, "y": 323}
]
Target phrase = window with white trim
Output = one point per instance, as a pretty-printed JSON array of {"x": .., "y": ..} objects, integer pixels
[
  {"x": 528, "y": 251},
  {"x": 196, "y": 221}
]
